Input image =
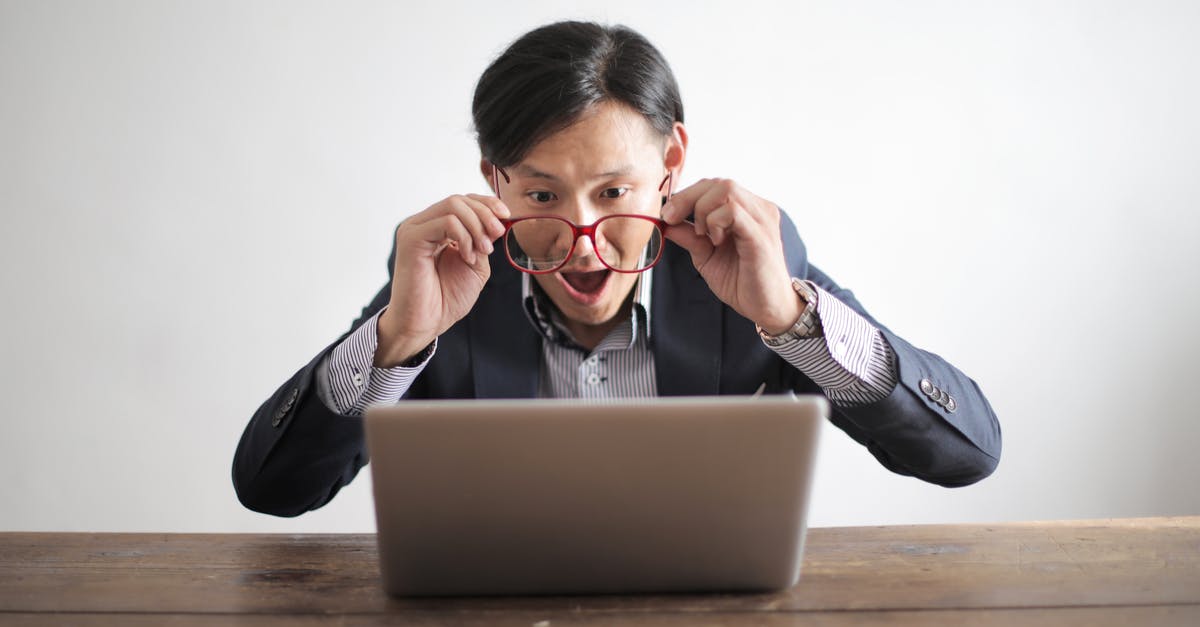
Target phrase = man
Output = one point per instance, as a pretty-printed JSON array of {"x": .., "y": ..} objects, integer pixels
[{"x": 585, "y": 276}]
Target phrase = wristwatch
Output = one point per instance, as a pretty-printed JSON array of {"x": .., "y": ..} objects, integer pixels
[{"x": 809, "y": 324}]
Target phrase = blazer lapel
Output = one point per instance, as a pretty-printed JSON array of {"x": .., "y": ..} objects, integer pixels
[
  {"x": 686, "y": 328},
  {"x": 505, "y": 349}
]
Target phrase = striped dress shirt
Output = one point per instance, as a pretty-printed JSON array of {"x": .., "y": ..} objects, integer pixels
[{"x": 850, "y": 359}]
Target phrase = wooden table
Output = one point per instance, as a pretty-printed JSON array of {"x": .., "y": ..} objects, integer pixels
[{"x": 1142, "y": 572}]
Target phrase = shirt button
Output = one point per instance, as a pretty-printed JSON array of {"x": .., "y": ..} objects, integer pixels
[
  {"x": 593, "y": 379},
  {"x": 593, "y": 360},
  {"x": 358, "y": 379}
]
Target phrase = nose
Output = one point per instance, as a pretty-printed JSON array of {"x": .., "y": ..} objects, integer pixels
[
  {"x": 584, "y": 247},
  {"x": 582, "y": 214}
]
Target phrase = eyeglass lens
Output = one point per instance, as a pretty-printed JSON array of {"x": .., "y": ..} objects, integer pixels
[{"x": 623, "y": 243}]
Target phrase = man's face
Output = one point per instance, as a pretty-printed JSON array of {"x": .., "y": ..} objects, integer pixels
[{"x": 608, "y": 162}]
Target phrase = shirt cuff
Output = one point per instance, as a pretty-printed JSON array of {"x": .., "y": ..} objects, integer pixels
[
  {"x": 353, "y": 380},
  {"x": 851, "y": 362}
]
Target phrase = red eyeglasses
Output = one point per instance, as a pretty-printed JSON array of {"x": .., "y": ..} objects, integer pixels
[{"x": 544, "y": 244}]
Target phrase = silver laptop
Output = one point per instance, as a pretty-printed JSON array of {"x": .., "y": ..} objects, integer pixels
[{"x": 561, "y": 497}]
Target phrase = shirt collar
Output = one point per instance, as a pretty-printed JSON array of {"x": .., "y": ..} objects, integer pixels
[{"x": 545, "y": 318}]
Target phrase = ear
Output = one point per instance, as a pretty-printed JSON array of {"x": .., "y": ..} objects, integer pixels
[
  {"x": 675, "y": 151},
  {"x": 485, "y": 168}
]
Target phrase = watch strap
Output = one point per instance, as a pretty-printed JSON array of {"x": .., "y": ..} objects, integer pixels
[{"x": 809, "y": 323}]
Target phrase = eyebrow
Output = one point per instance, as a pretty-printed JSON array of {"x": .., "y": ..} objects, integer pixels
[{"x": 531, "y": 172}]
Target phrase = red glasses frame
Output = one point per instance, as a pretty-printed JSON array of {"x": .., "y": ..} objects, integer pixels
[
  {"x": 588, "y": 231},
  {"x": 578, "y": 230}
]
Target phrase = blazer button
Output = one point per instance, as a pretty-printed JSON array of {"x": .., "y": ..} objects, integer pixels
[
  {"x": 951, "y": 406},
  {"x": 942, "y": 397},
  {"x": 927, "y": 387}
]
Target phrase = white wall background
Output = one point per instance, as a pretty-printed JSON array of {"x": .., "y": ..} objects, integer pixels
[{"x": 198, "y": 196}]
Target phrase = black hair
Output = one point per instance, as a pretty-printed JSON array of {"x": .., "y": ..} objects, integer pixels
[{"x": 550, "y": 76}]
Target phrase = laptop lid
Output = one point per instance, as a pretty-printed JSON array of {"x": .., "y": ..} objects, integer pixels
[{"x": 675, "y": 494}]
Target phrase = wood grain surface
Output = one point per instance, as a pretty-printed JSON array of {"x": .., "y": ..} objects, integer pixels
[{"x": 1133, "y": 571}]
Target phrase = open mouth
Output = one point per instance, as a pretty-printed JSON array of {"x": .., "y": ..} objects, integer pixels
[{"x": 586, "y": 287}]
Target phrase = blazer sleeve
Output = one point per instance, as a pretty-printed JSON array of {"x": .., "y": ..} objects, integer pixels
[
  {"x": 908, "y": 431},
  {"x": 296, "y": 454}
]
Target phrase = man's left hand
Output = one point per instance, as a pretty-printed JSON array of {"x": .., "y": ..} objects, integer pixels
[{"x": 735, "y": 245}]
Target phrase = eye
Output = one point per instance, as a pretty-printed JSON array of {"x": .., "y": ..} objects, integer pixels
[
  {"x": 614, "y": 192},
  {"x": 541, "y": 197}
]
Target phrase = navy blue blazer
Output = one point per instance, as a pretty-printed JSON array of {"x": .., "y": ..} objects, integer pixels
[{"x": 295, "y": 454}]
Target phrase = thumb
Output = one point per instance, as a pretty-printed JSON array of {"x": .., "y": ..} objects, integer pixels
[{"x": 684, "y": 235}]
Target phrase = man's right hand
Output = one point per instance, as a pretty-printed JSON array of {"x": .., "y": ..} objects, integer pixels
[{"x": 441, "y": 266}]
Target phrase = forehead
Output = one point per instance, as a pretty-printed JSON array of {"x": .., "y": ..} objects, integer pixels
[{"x": 610, "y": 138}]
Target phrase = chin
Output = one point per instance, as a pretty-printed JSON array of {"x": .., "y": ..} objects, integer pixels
[{"x": 595, "y": 314}]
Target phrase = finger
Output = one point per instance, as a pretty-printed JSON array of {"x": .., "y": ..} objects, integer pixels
[
  {"x": 462, "y": 207},
  {"x": 490, "y": 210},
  {"x": 681, "y": 204},
  {"x": 430, "y": 213},
  {"x": 719, "y": 222},
  {"x": 718, "y": 195},
  {"x": 497, "y": 206},
  {"x": 698, "y": 246},
  {"x": 449, "y": 231}
]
